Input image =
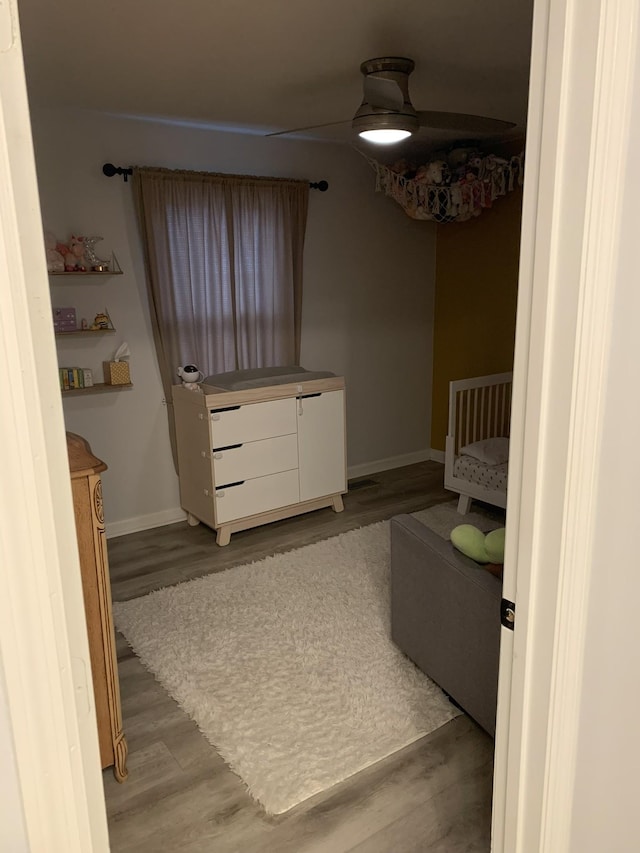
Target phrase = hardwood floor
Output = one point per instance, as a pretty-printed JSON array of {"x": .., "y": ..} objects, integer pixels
[{"x": 434, "y": 795}]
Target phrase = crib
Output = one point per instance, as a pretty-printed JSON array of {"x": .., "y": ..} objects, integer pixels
[{"x": 477, "y": 445}]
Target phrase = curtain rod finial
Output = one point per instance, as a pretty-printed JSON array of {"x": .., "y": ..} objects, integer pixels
[{"x": 110, "y": 170}]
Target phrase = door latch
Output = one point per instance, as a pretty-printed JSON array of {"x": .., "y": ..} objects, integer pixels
[{"x": 508, "y": 613}]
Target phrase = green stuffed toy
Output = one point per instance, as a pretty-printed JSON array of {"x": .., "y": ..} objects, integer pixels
[{"x": 485, "y": 549}]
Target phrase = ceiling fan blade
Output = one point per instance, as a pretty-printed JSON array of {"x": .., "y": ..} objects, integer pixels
[
  {"x": 310, "y": 127},
  {"x": 382, "y": 92},
  {"x": 462, "y": 122}
]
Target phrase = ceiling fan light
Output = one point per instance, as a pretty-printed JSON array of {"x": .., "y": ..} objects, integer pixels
[
  {"x": 384, "y": 135},
  {"x": 385, "y": 127}
]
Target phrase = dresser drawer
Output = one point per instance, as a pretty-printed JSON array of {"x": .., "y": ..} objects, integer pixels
[
  {"x": 255, "y": 459},
  {"x": 258, "y": 495},
  {"x": 253, "y": 422}
]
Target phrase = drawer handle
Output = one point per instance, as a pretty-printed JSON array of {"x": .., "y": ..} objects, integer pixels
[
  {"x": 219, "y": 489},
  {"x": 224, "y": 409},
  {"x": 302, "y": 397},
  {"x": 226, "y": 447}
]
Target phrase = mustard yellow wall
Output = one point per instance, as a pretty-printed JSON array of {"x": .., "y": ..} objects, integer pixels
[{"x": 475, "y": 301}]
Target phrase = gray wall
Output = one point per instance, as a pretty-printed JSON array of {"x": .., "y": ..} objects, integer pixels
[{"x": 367, "y": 310}]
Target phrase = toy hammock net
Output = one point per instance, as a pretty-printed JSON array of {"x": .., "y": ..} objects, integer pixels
[{"x": 438, "y": 192}]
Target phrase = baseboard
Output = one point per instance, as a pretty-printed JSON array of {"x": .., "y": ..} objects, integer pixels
[
  {"x": 144, "y": 522},
  {"x": 171, "y": 516},
  {"x": 366, "y": 468}
]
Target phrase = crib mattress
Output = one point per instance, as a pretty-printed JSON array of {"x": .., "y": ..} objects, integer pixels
[{"x": 489, "y": 476}]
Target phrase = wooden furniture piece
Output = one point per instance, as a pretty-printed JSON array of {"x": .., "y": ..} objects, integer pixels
[
  {"x": 86, "y": 485},
  {"x": 252, "y": 456}
]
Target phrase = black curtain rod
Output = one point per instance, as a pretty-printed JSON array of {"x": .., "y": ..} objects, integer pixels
[{"x": 110, "y": 170}]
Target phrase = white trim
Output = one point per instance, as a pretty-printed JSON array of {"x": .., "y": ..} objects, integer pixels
[
  {"x": 145, "y": 522},
  {"x": 43, "y": 635},
  {"x": 387, "y": 464},
  {"x": 582, "y": 65},
  {"x": 614, "y": 75},
  {"x": 172, "y": 516},
  {"x": 13, "y": 830}
]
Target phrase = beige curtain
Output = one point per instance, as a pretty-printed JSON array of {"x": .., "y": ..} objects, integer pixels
[{"x": 224, "y": 269}]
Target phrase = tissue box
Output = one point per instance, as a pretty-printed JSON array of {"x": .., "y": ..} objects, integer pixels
[{"x": 116, "y": 372}]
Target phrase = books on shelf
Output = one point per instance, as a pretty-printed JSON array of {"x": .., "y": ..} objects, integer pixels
[{"x": 75, "y": 377}]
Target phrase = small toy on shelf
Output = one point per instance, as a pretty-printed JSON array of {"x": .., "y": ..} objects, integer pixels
[
  {"x": 101, "y": 321},
  {"x": 76, "y": 249},
  {"x": 97, "y": 264}
]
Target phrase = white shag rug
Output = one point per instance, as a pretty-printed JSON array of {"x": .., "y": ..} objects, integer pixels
[{"x": 287, "y": 665}]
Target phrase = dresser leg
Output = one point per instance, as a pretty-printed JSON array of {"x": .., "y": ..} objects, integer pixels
[
  {"x": 223, "y": 536},
  {"x": 338, "y": 505},
  {"x": 192, "y": 520}
]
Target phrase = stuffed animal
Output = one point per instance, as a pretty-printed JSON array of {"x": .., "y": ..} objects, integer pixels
[
  {"x": 455, "y": 201},
  {"x": 436, "y": 172},
  {"x": 76, "y": 249},
  {"x": 101, "y": 321},
  {"x": 55, "y": 260},
  {"x": 485, "y": 549},
  {"x": 403, "y": 168}
]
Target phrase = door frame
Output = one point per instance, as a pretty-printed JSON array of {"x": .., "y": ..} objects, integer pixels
[
  {"x": 48, "y": 712},
  {"x": 578, "y": 115},
  {"x": 584, "y": 54}
]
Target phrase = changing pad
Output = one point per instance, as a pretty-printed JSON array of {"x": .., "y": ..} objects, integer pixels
[{"x": 258, "y": 377}]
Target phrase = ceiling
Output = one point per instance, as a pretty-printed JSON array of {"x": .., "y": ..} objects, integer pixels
[{"x": 259, "y": 66}]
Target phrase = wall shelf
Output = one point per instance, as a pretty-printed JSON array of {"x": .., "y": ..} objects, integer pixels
[
  {"x": 116, "y": 269},
  {"x": 79, "y": 274},
  {"x": 95, "y": 389},
  {"x": 85, "y": 332},
  {"x": 69, "y": 315}
]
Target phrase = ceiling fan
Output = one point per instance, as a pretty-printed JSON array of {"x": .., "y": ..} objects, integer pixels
[{"x": 386, "y": 114}]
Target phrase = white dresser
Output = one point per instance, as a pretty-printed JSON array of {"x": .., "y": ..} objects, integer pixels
[{"x": 251, "y": 456}]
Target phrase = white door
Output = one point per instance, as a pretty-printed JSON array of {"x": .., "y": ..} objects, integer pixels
[
  {"x": 47, "y": 722},
  {"x": 582, "y": 72},
  {"x": 321, "y": 444}
]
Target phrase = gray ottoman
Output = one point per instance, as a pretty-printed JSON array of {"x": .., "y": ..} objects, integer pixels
[{"x": 445, "y": 615}]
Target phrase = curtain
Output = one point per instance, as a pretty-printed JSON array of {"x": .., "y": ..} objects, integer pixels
[{"x": 223, "y": 257}]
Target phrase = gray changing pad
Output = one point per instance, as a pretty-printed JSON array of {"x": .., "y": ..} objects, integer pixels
[{"x": 258, "y": 377}]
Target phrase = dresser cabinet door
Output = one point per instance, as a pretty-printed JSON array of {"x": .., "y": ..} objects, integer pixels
[{"x": 321, "y": 445}]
